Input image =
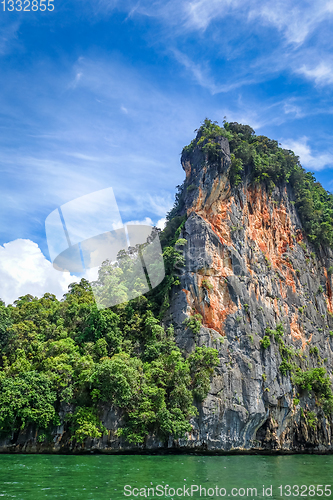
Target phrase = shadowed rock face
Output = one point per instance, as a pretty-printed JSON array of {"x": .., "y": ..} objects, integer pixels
[{"x": 249, "y": 266}]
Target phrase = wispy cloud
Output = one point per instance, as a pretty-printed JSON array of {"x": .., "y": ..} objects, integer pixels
[
  {"x": 321, "y": 74},
  {"x": 200, "y": 13},
  {"x": 201, "y": 76},
  {"x": 290, "y": 108},
  {"x": 74, "y": 83},
  {"x": 293, "y": 24},
  {"x": 9, "y": 36},
  {"x": 310, "y": 160},
  {"x": 296, "y": 20}
]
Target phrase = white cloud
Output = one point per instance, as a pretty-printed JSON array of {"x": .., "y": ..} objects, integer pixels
[
  {"x": 248, "y": 115},
  {"x": 161, "y": 223},
  {"x": 322, "y": 74},
  {"x": 25, "y": 270},
  {"x": 76, "y": 80},
  {"x": 69, "y": 154},
  {"x": 308, "y": 159},
  {"x": 290, "y": 108},
  {"x": 161, "y": 205},
  {"x": 200, "y": 13},
  {"x": 295, "y": 19},
  {"x": 146, "y": 222}
]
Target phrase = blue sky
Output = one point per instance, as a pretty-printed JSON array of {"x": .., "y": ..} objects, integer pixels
[{"x": 106, "y": 93}]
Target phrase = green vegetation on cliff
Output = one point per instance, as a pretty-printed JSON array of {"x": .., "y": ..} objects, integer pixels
[{"x": 314, "y": 380}]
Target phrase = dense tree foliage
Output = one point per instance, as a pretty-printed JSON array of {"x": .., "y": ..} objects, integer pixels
[{"x": 68, "y": 352}]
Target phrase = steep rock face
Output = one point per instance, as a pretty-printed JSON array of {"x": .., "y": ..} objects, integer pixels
[{"x": 248, "y": 267}]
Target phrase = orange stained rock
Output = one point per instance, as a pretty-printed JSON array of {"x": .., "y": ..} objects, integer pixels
[
  {"x": 271, "y": 228},
  {"x": 218, "y": 195},
  {"x": 188, "y": 296},
  {"x": 221, "y": 264},
  {"x": 197, "y": 204},
  {"x": 214, "y": 209},
  {"x": 283, "y": 291},
  {"x": 253, "y": 288},
  {"x": 220, "y": 227},
  {"x": 328, "y": 291},
  {"x": 276, "y": 305},
  {"x": 217, "y": 217},
  {"x": 221, "y": 305},
  {"x": 187, "y": 167},
  {"x": 267, "y": 224},
  {"x": 299, "y": 235},
  {"x": 296, "y": 330},
  {"x": 290, "y": 280}
]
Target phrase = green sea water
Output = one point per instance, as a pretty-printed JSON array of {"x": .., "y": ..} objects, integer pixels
[{"x": 99, "y": 477}]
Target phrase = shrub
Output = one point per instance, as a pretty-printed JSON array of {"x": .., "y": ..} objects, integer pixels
[
  {"x": 311, "y": 419},
  {"x": 277, "y": 333},
  {"x": 316, "y": 380},
  {"x": 193, "y": 323},
  {"x": 207, "y": 140},
  {"x": 285, "y": 367},
  {"x": 265, "y": 342},
  {"x": 206, "y": 284},
  {"x": 181, "y": 242},
  {"x": 314, "y": 350},
  {"x": 202, "y": 363}
]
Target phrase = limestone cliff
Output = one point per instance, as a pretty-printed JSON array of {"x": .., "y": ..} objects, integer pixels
[{"x": 249, "y": 267}]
